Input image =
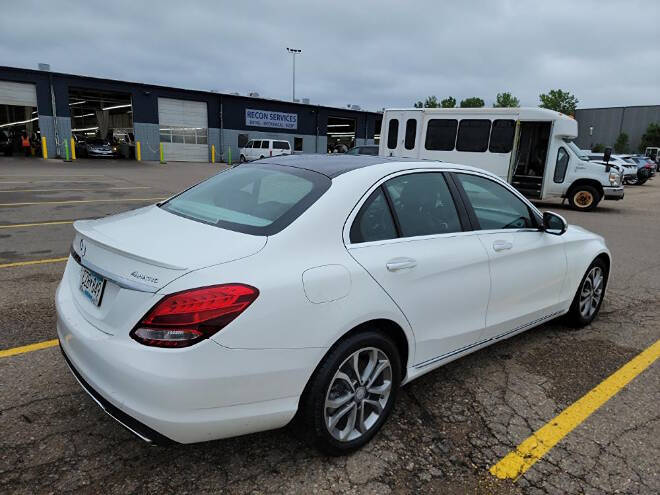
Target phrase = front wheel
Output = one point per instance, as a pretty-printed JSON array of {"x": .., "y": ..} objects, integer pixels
[
  {"x": 589, "y": 296},
  {"x": 351, "y": 393},
  {"x": 583, "y": 198}
]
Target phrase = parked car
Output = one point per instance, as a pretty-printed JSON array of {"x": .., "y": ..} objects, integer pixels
[
  {"x": 645, "y": 168},
  {"x": 367, "y": 149},
  {"x": 312, "y": 285},
  {"x": 628, "y": 167},
  {"x": 97, "y": 148},
  {"x": 255, "y": 149},
  {"x": 6, "y": 146}
]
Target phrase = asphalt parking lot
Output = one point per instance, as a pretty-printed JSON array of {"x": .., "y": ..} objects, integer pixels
[{"x": 449, "y": 429}]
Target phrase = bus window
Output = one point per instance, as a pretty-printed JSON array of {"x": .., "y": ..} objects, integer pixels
[
  {"x": 501, "y": 136},
  {"x": 392, "y": 133},
  {"x": 473, "y": 135},
  {"x": 441, "y": 134}
]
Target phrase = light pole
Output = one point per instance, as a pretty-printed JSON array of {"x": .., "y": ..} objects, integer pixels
[{"x": 294, "y": 52}]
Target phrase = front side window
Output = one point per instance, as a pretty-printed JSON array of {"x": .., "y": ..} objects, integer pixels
[
  {"x": 252, "y": 199},
  {"x": 494, "y": 205},
  {"x": 501, "y": 136},
  {"x": 561, "y": 166},
  {"x": 374, "y": 221},
  {"x": 441, "y": 134},
  {"x": 411, "y": 131},
  {"x": 392, "y": 133},
  {"x": 423, "y": 204},
  {"x": 473, "y": 135},
  {"x": 256, "y": 144}
]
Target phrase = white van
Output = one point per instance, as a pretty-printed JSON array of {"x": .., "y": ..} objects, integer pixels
[
  {"x": 263, "y": 148},
  {"x": 531, "y": 148}
]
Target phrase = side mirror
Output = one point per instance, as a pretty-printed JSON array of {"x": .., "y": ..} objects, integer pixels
[
  {"x": 554, "y": 224},
  {"x": 606, "y": 158}
]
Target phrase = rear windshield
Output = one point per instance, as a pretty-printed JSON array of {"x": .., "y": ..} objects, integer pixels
[{"x": 253, "y": 199}]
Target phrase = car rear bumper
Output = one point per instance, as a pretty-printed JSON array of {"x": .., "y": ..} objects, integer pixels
[
  {"x": 614, "y": 193},
  {"x": 199, "y": 393}
]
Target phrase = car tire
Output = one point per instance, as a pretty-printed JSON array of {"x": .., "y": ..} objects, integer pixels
[
  {"x": 242, "y": 159},
  {"x": 261, "y": 157},
  {"x": 590, "y": 294},
  {"x": 335, "y": 395},
  {"x": 583, "y": 198},
  {"x": 641, "y": 182}
]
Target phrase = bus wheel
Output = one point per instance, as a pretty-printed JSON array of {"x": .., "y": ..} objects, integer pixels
[{"x": 583, "y": 198}]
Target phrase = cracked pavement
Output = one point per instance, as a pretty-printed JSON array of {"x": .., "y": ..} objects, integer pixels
[{"x": 448, "y": 428}]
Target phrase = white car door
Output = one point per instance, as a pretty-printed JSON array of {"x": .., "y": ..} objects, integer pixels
[
  {"x": 527, "y": 265},
  {"x": 409, "y": 235}
]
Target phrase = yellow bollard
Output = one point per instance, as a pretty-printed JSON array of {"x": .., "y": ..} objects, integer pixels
[
  {"x": 162, "y": 155},
  {"x": 73, "y": 149},
  {"x": 44, "y": 148},
  {"x": 213, "y": 153},
  {"x": 138, "y": 153}
]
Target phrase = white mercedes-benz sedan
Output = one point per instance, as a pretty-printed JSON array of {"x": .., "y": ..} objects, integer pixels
[{"x": 310, "y": 287}]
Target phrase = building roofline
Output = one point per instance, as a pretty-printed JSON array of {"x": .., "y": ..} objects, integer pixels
[{"x": 200, "y": 91}]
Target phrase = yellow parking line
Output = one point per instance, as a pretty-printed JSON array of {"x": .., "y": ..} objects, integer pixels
[
  {"x": 29, "y": 348},
  {"x": 536, "y": 446},
  {"x": 33, "y": 262},
  {"x": 19, "y": 225},
  {"x": 85, "y": 189},
  {"x": 81, "y": 201}
]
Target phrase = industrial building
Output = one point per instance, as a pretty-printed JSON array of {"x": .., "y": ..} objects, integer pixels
[
  {"x": 136, "y": 118},
  {"x": 603, "y": 125}
]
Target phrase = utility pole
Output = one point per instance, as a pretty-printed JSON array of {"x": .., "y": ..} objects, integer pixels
[{"x": 294, "y": 52}]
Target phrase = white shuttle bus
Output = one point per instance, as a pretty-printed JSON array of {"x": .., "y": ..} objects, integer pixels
[{"x": 531, "y": 148}]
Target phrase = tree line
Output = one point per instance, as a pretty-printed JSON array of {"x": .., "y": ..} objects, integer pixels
[{"x": 555, "y": 99}]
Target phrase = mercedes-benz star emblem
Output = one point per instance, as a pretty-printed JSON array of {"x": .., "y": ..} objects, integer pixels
[{"x": 83, "y": 247}]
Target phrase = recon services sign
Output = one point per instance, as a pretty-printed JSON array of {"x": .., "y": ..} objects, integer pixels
[{"x": 262, "y": 118}]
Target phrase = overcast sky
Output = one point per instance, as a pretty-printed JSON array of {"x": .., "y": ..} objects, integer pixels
[{"x": 374, "y": 54}]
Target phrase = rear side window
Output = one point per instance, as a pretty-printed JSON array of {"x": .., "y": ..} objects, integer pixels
[
  {"x": 494, "y": 205},
  {"x": 265, "y": 144},
  {"x": 561, "y": 165},
  {"x": 501, "y": 136},
  {"x": 374, "y": 220},
  {"x": 411, "y": 132},
  {"x": 392, "y": 133},
  {"x": 281, "y": 145},
  {"x": 253, "y": 199},
  {"x": 441, "y": 134},
  {"x": 423, "y": 204},
  {"x": 473, "y": 135}
]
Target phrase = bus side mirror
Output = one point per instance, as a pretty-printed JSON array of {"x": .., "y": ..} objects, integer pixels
[{"x": 607, "y": 155}]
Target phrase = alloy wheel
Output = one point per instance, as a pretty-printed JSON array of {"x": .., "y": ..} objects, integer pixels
[
  {"x": 584, "y": 199},
  {"x": 592, "y": 292},
  {"x": 358, "y": 394}
]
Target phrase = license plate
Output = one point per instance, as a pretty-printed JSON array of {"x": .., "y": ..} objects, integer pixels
[{"x": 92, "y": 285}]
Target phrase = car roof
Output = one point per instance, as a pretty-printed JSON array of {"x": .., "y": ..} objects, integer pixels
[{"x": 334, "y": 165}]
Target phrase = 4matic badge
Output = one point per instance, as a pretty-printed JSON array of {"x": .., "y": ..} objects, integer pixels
[{"x": 146, "y": 278}]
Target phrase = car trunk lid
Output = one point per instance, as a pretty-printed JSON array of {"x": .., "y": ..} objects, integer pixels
[{"x": 139, "y": 252}]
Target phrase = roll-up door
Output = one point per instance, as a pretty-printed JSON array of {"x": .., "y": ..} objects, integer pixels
[
  {"x": 19, "y": 94},
  {"x": 183, "y": 129}
]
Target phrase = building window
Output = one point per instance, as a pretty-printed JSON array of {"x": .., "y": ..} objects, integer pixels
[
  {"x": 411, "y": 133},
  {"x": 501, "y": 136},
  {"x": 441, "y": 134},
  {"x": 297, "y": 144},
  {"x": 183, "y": 135},
  {"x": 473, "y": 135},
  {"x": 243, "y": 140}
]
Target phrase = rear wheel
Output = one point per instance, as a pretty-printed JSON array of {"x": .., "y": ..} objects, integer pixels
[
  {"x": 583, "y": 198},
  {"x": 242, "y": 159},
  {"x": 589, "y": 296},
  {"x": 351, "y": 393}
]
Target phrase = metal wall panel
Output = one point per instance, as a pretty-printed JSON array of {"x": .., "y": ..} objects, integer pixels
[{"x": 183, "y": 113}]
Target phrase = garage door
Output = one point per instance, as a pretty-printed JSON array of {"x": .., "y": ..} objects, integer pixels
[
  {"x": 183, "y": 130},
  {"x": 20, "y": 94}
]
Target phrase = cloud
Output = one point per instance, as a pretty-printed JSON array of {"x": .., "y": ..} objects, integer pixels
[{"x": 375, "y": 54}]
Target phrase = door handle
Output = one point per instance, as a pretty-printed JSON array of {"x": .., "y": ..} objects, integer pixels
[
  {"x": 502, "y": 245},
  {"x": 400, "y": 264}
]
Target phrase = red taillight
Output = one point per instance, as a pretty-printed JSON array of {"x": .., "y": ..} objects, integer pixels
[{"x": 184, "y": 318}]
